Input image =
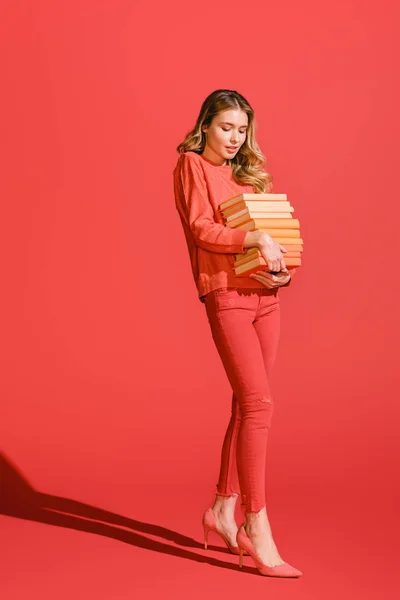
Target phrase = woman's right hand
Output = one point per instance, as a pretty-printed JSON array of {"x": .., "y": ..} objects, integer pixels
[{"x": 272, "y": 253}]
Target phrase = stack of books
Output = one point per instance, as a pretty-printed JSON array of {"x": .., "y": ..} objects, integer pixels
[{"x": 271, "y": 213}]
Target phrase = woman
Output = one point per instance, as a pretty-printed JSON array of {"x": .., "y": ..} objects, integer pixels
[{"x": 218, "y": 160}]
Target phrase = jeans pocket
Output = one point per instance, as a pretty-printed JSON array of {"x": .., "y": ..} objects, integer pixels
[{"x": 225, "y": 298}]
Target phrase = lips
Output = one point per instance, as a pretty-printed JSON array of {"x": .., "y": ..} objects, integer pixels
[{"x": 232, "y": 147}]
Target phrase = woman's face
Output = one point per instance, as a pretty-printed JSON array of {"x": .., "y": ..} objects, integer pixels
[{"x": 225, "y": 135}]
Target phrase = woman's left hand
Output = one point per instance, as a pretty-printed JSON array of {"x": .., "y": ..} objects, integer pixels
[{"x": 270, "y": 280}]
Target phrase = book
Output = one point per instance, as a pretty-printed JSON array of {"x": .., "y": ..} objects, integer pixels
[
  {"x": 252, "y": 197},
  {"x": 286, "y": 255},
  {"x": 259, "y": 263},
  {"x": 248, "y": 224},
  {"x": 256, "y": 251},
  {"x": 265, "y": 216}
]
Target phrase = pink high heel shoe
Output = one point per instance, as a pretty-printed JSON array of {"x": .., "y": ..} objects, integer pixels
[
  {"x": 244, "y": 542},
  {"x": 210, "y": 524}
]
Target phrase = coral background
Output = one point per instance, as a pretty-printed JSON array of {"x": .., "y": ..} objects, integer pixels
[{"x": 114, "y": 401}]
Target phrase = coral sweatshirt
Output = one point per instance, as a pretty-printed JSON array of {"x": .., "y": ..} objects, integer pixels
[{"x": 200, "y": 185}]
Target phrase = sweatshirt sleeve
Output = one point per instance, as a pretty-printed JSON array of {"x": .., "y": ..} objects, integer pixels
[{"x": 208, "y": 234}]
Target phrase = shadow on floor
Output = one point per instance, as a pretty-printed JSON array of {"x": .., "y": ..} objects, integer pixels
[{"x": 19, "y": 499}]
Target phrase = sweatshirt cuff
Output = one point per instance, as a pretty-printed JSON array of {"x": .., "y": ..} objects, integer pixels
[{"x": 238, "y": 237}]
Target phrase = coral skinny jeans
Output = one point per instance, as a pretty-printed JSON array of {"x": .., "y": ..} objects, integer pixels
[{"x": 245, "y": 326}]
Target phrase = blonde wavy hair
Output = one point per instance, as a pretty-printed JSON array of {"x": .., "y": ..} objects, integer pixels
[{"x": 248, "y": 164}]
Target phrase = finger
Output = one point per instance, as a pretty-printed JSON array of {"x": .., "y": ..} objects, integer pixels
[
  {"x": 266, "y": 282},
  {"x": 266, "y": 274},
  {"x": 266, "y": 277}
]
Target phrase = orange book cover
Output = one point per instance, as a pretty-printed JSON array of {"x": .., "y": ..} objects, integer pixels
[
  {"x": 254, "y": 251},
  {"x": 259, "y": 263},
  {"x": 286, "y": 233},
  {"x": 285, "y": 223},
  {"x": 244, "y": 222},
  {"x": 252, "y": 198},
  {"x": 258, "y": 214},
  {"x": 261, "y": 207},
  {"x": 287, "y": 241},
  {"x": 286, "y": 255}
]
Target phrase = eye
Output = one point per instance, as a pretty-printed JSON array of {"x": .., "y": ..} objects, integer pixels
[{"x": 242, "y": 132}]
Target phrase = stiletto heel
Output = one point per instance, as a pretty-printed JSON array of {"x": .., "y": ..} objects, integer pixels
[
  {"x": 244, "y": 543},
  {"x": 240, "y": 557},
  {"x": 206, "y": 530},
  {"x": 210, "y": 524}
]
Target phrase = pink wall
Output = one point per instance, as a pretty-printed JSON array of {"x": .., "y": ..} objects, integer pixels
[{"x": 109, "y": 371}]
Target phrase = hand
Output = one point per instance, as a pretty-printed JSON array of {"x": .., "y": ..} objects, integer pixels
[
  {"x": 271, "y": 280},
  {"x": 271, "y": 251}
]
